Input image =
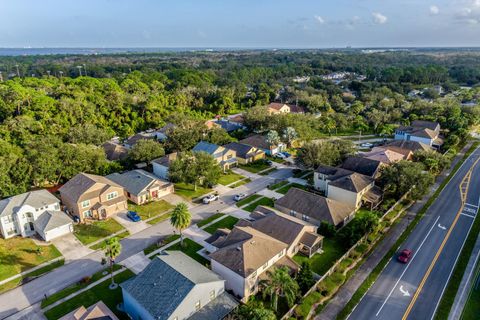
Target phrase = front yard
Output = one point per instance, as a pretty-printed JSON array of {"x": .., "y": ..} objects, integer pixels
[
  {"x": 190, "y": 248},
  {"x": 254, "y": 167},
  {"x": 188, "y": 192},
  {"x": 285, "y": 189},
  {"x": 248, "y": 199},
  {"x": 20, "y": 254},
  {"x": 151, "y": 209},
  {"x": 225, "y": 223},
  {"x": 321, "y": 262},
  {"x": 262, "y": 202},
  {"x": 229, "y": 178},
  {"x": 88, "y": 233},
  {"x": 209, "y": 219}
]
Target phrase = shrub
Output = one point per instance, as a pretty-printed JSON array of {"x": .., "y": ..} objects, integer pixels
[{"x": 326, "y": 229}]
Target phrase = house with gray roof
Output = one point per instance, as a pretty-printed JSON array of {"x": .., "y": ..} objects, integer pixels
[
  {"x": 226, "y": 158},
  {"x": 162, "y": 165},
  {"x": 245, "y": 153},
  {"x": 427, "y": 132},
  {"x": 141, "y": 186},
  {"x": 175, "y": 287},
  {"x": 33, "y": 212}
]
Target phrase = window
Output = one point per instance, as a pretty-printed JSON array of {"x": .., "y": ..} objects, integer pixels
[
  {"x": 198, "y": 305},
  {"x": 87, "y": 214},
  {"x": 85, "y": 203},
  {"x": 112, "y": 195},
  {"x": 212, "y": 295}
]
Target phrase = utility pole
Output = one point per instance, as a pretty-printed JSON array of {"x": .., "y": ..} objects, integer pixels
[
  {"x": 85, "y": 69},
  {"x": 48, "y": 72},
  {"x": 79, "y": 70},
  {"x": 18, "y": 70}
]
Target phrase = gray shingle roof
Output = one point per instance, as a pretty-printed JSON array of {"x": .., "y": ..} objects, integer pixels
[
  {"x": 354, "y": 182},
  {"x": 207, "y": 147},
  {"x": 361, "y": 165},
  {"x": 50, "y": 220},
  {"x": 162, "y": 286},
  {"x": 166, "y": 159},
  {"x": 217, "y": 309},
  {"x": 36, "y": 199},
  {"x": 135, "y": 181}
]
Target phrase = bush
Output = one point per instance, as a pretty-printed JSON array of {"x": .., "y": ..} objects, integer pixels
[
  {"x": 86, "y": 279},
  {"x": 326, "y": 229}
]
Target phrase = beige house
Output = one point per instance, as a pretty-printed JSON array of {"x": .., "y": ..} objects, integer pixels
[
  {"x": 89, "y": 196},
  {"x": 279, "y": 108},
  {"x": 226, "y": 158},
  {"x": 245, "y": 153},
  {"x": 141, "y": 186}
]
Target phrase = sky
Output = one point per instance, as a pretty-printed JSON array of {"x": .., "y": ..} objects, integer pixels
[{"x": 239, "y": 23}]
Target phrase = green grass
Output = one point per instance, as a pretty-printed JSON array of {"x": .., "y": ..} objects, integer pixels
[
  {"x": 262, "y": 202},
  {"x": 303, "y": 308},
  {"x": 190, "y": 248},
  {"x": 321, "y": 262},
  {"x": 160, "y": 244},
  {"x": 372, "y": 277},
  {"x": 275, "y": 159},
  {"x": 254, "y": 167},
  {"x": 229, "y": 177},
  {"x": 159, "y": 219},
  {"x": 248, "y": 199},
  {"x": 187, "y": 191},
  {"x": 20, "y": 254},
  {"x": 241, "y": 183},
  {"x": 88, "y": 233},
  {"x": 19, "y": 281},
  {"x": 267, "y": 172},
  {"x": 101, "y": 244},
  {"x": 100, "y": 292},
  {"x": 150, "y": 209},
  {"x": 278, "y": 185},
  {"x": 472, "y": 307},
  {"x": 225, "y": 223},
  {"x": 209, "y": 219},
  {"x": 285, "y": 189},
  {"x": 76, "y": 286}
]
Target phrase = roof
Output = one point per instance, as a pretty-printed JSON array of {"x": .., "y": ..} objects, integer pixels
[
  {"x": 227, "y": 125},
  {"x": 384, "y": 155},
  {"x": 114, "y": 151},
  {"x": 98, "y": 311},
  {"x": 163, "y": 285},
  {"x": 310, "y": 239},
  {"x": 131, "y": 141},
  {"x": 425, "y": 124},
  {"x": 207, "y": 147},
  {"x": 216, "y": 309},
  {"x": 77, "y": 187},
  {"x": 354, "y": 182},
  {"x": 244, "y": 250},
  {"x": 35, "y": 199},
  {"x": 166, "y": 159},
  {"x": 257, "y": 141},
  {"x": 243, "y": 150},
  {"x": 50, "y": 220},
  {"x": 365, "y": 166},
  {"x": 293, "y": 108},
  {"x": 407, "y": 153},
  {"x": 333, "y": 173},
  {"x": 136, "y": 181},
  {"x": 410, "y": 145},
  {"x": 315, "y": 206},
  {"x": 421, "y": 128}
]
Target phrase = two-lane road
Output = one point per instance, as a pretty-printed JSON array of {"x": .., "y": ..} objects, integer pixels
[{"x": 413, "y": 290}]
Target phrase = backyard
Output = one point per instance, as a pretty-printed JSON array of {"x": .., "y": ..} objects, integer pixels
[
  {"x": 20, "y": 254},
  {"x": 229, "y": 177},
  {"x": 225, "y": 223},
  {"x": 91, "y": 232},
  {"x": 321, "y": 262},
  {"x": 150, "y": 209},
  {"x": 188, "y": 192}
]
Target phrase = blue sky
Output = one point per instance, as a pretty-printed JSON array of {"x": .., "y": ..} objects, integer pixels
[{"x": 239, "y": 23}]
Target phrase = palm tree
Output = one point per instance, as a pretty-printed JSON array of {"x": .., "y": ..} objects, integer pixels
[
  {"x": 112, "y": 250},
  {"x": 181, "y": 218},
  {"x": 280, "y": 284}
]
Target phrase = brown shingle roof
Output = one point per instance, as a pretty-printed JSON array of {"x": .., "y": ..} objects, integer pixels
[
  {"x": 115, "y": 151},
  {"x": 384, "y": 155},
  {"x": 354, "y": 182},
  {"x": 410, "y": 145},
  {"x": 166, "y": 159},
  {"x": 257, "y": 141},
  {"x": 361, "y": 165},
  {"x": 77, "y": 187}
]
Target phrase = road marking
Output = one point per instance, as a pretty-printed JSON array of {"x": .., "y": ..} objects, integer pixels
[
  {"x": 471, "y": 205},
  {"x": 408, "y": 265},
  {"x": 404, "y": 292},
  {"x": 442, "y": 227},
  {"x": 467, "y": 215},
  {"x": 464, "y": 184},
  {"x": 470, "y": 210}
]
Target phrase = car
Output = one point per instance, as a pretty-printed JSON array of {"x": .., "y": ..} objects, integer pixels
[
  {"x": 210, "y": 198},
  {"x": 286, "y": 154},
  {"x": 405, "y": 255},
  {"x": 366, "y": 145},
  {"x": 269, "y": 162},
  {"x": 239, "y": 196},
  {"x": 132, "y": 215},
  {"x": 280, "y": 155}
]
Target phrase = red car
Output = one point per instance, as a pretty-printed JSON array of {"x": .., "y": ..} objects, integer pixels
[{"x": 405, "y": 255}]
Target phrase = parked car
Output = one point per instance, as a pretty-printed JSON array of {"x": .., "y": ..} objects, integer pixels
[
  {"x": 210, "y": 198},
  {"x": 240, "y": 196},
  {"x": 366, "y": 145},
  {"x": 280, "y": 155},
  {"x": 405, "y": 255},
  {"x": 286, "y": 154},
  {"x": 269, "y": 162},
  {"x": 132, "y": 215}
]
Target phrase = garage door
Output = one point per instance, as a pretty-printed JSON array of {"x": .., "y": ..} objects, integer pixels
[{"x": 57, "y": 232}]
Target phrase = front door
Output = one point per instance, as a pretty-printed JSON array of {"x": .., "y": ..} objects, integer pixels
[
  {"x": 103, "y": 213},
  {"x": 155, "y": 194}
]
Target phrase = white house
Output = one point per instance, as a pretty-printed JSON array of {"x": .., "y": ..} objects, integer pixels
[
  {"x": 426, "y": 132},
  {"x": 161, "y": 165},
  {"x": 33, "y": 212}
]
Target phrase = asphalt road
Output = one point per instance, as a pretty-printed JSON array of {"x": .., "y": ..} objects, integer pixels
[
  {"x": 33, "y": 292},
  {"x": 413, "y": 291}
]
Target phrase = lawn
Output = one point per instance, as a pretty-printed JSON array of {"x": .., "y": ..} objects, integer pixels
[
  {"x": 159, "y": 219},
  {"x": 262, "y": 202},
  {"x": 187, "y": 191},
  {"x": 285, "y": 189},
  {"x": 160, "y": 244},
  {"x": 240, "y": 183},
  {"x": 190, "y": 248},
  {"x": 275, "y": 159},
  {"x": 101, "y": 244},
  {"x": 229, "y": 178},
  {"x": 150, "y": 209},
  {"x": 321, "y": 262},
  {"x": 226, "y": 223},
  {"x": 278, "y": 185},
  {"x": 254, "y": 167},
  {"x": 248, "y": 200},
  {"x": 88, "y": 233},
  {"x": 20, "y": 254},
  {"x": 209, "y": 219},
  {"x": 100, "y": 292}
]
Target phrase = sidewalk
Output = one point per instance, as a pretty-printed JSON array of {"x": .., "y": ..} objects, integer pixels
[{"x": 345, "y": 293}]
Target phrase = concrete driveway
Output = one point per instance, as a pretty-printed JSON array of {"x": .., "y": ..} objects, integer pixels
[
  {"x": 132, "y": 227},
  {"x": 70, "y": 247}
]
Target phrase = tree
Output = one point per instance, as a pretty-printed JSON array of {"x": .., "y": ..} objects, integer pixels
[
  {"x": 181, "y": 218},
  {"x": 253, "y": 310},
  {"x": 272, "y": 138},
  {"x": 289, "y": 135},
  {"x": 305, "y": 277},
  {"x": 325, "y": 152},
  {"x": 218, "y": 136},
  {"x": 145, "y": 150},
  {"x": 197, "y": 168},
  {"x": 327, "y": 229},
  {"x": 88, "y": 134},
  {"x": 363, "y": 223},
  {"x": 112, "y": 250},
  {"x": 434, "y": 162},
  {"x": 280, "y": 284}
]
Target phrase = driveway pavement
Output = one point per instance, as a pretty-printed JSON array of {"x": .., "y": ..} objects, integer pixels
[
  {"x": 70, "y": 247},
  {"x": 132, "y": 227}
]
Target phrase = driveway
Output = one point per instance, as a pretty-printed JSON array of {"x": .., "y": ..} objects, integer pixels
[
  {"x": 70, "y": 247},
  {"x": 132, "y": 227}
]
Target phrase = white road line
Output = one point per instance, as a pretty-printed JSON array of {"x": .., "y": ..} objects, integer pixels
[
  {"x": 467, "y": 215},
  {"x": 408, "y": 265},
  {"x": 471, "y": 205}
]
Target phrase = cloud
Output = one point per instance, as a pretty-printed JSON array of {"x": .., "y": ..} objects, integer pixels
[
  {"x": 379, "y": 18},
  {"x": 469, "y": 13},
  {"x": 434, "y": 10},
  {"x": 319, "y": 19}
]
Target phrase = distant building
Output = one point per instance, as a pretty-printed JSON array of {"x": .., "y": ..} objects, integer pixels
[
  {"x": 226, "y": 158},
  {"x": 115, "y": 151},
  {"x": 260, "y": 142},
  {"x": 279, "y": 108},
  {"x": 246, "y": 153},
  {"x": 426, "y": 132}
]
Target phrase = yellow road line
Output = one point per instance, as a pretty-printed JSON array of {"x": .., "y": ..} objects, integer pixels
[{"x": 463, "y": 194}]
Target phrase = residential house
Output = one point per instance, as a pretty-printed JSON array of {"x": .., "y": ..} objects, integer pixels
[
  {"x": 260, "y": 142},
  {"x": 413, "y": 146},
  {"x": 141, "y": 186},
  {"x": 384, "y": 155},
  {"x": 33, "y": 212},
  {"x": 314, "y": 208},
  {"x": 176, "y": 287},
  {"x": 426, "y": 132},
  {"x": 97, "y": 311},
  {"x": 226, "y": 158},
  {"x": 161, "y": 165},
  {"x": 89, "y": 196},
  {"x": 245, "y": 254},
  {"x": 162, "y": 133},
  {"x": 365, "y": 166},
  {"x": 228, "y": 125},
  {"x": 407, "y": 153},
  {"x": 115, "y": 151},
  {"x": 348, "y": 187},
  {"x": 279, "y": 108},
  {"x": 133, "y": 140},
  {"x": 245, "y": 153}
]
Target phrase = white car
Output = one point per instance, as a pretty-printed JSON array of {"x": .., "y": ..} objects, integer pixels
[
  {"x": 210, "y": 198},
  {"x": 366, "y": 145},
  {"x": 239, "y": 196}
]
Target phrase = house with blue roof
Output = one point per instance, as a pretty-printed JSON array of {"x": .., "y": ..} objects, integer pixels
[{"x": 226, "y": 158}]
